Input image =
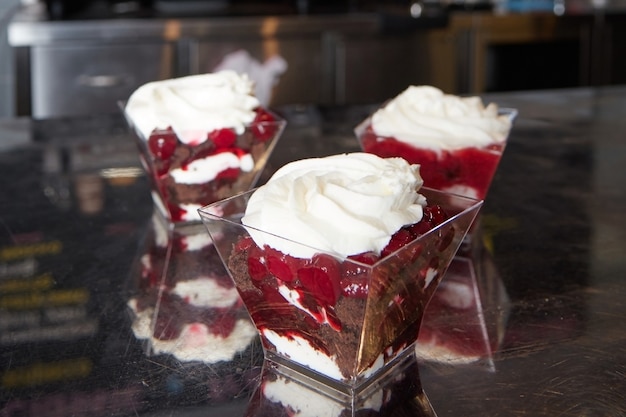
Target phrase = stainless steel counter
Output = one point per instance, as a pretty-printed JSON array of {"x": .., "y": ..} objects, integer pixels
[
  {"x": 84, "y": 66},
  {"x": 31, "y": 27},
  {"x": 549, "y": 290}
]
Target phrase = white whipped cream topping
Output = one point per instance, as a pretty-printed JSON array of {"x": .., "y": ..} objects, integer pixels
[
  {"x": 344, "y": 204},
  {"x": 424, "y": 116},
  {"x": 206, "y": 169},
  {"x": 194, "y": 105}
]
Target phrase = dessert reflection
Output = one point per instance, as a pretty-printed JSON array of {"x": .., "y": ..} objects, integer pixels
[
  {"x": 398, "y": 394},
  {"x": 187, "y": 313},
  {"x": 465, "y": 321},
  {"x": 189, "y": 317}
]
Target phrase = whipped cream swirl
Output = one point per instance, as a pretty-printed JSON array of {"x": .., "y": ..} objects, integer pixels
[
  {"x": 195, "y": 105},
  {"x": 425, "y": 117},
  {"x": 345, "y": 204}
]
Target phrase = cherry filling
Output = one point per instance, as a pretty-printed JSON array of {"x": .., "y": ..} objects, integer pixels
[
  {"x": 263, "y": 127},
  {"x": 471, "y": 168},
  {"x": 169, "y": 153},
  {"x": 280, "y": 290}
]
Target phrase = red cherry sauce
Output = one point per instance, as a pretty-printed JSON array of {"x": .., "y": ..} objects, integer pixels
[{"x": 470, "y": 167}]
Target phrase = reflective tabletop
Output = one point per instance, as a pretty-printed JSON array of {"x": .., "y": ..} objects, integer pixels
[{"x": 532, "y": 323}]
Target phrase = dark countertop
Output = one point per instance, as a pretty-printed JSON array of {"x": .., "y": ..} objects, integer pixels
[{"x": 75, "y": 209}]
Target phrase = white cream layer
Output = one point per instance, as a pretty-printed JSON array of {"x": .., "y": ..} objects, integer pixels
[
  {"x": 301, "y": 351},
  {"x": 207, "y": 169}
]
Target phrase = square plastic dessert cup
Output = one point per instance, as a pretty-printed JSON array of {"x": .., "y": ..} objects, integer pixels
[
  {"x": 336, "y": 320},
  {"x": 466, "y": 171},
  {"x": 184, "y": 177}
]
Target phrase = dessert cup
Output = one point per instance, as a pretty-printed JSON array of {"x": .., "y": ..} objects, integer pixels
[
  {"x": 185, "y": 177},
  {"x": 466, "y": 171},
  {"x": 339, "y": 321}
]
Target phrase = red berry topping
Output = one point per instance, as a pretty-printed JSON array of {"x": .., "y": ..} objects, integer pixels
[
  {"x": 355, "y": 277},
  {"x": 263, "y": 127},
  {"x": 321, "y": 279},
  {"x": 228, "y": 174},
  {"x": 351, "y": 269},
  {"x": 468, "y": 167},
  {"x": 420, "y": 228},
  {"x": 223, "y": 138},
  {"x": 162, "y": 144},
  {"x": 368, "y": 258},
  {"x": 435, "y": 215},
  {"x": 256, "y": 269},
  {"x": 279, "y": 269},
  {"x": 256, "y": 263},
  {"x": 398, "y": 240},
  {"x": 328, "y": 264},
  {"x": 283, "y": 267},
  {"x": 244, "y": 243},
  {"x": 354, "y": 286}
]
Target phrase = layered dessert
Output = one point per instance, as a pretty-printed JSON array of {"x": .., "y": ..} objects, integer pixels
[
  {"x": 458, "y": 141},
  {"x": 202, "y": 138},
  {"x": 336, "y": 258},
  {"x": 186, "y": 305}
]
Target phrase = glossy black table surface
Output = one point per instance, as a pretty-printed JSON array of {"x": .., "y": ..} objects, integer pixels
[{"x": 547, "y": 285}]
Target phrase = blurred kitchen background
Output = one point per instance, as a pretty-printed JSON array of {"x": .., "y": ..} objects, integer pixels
[{"x": 71, "y": 57}]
